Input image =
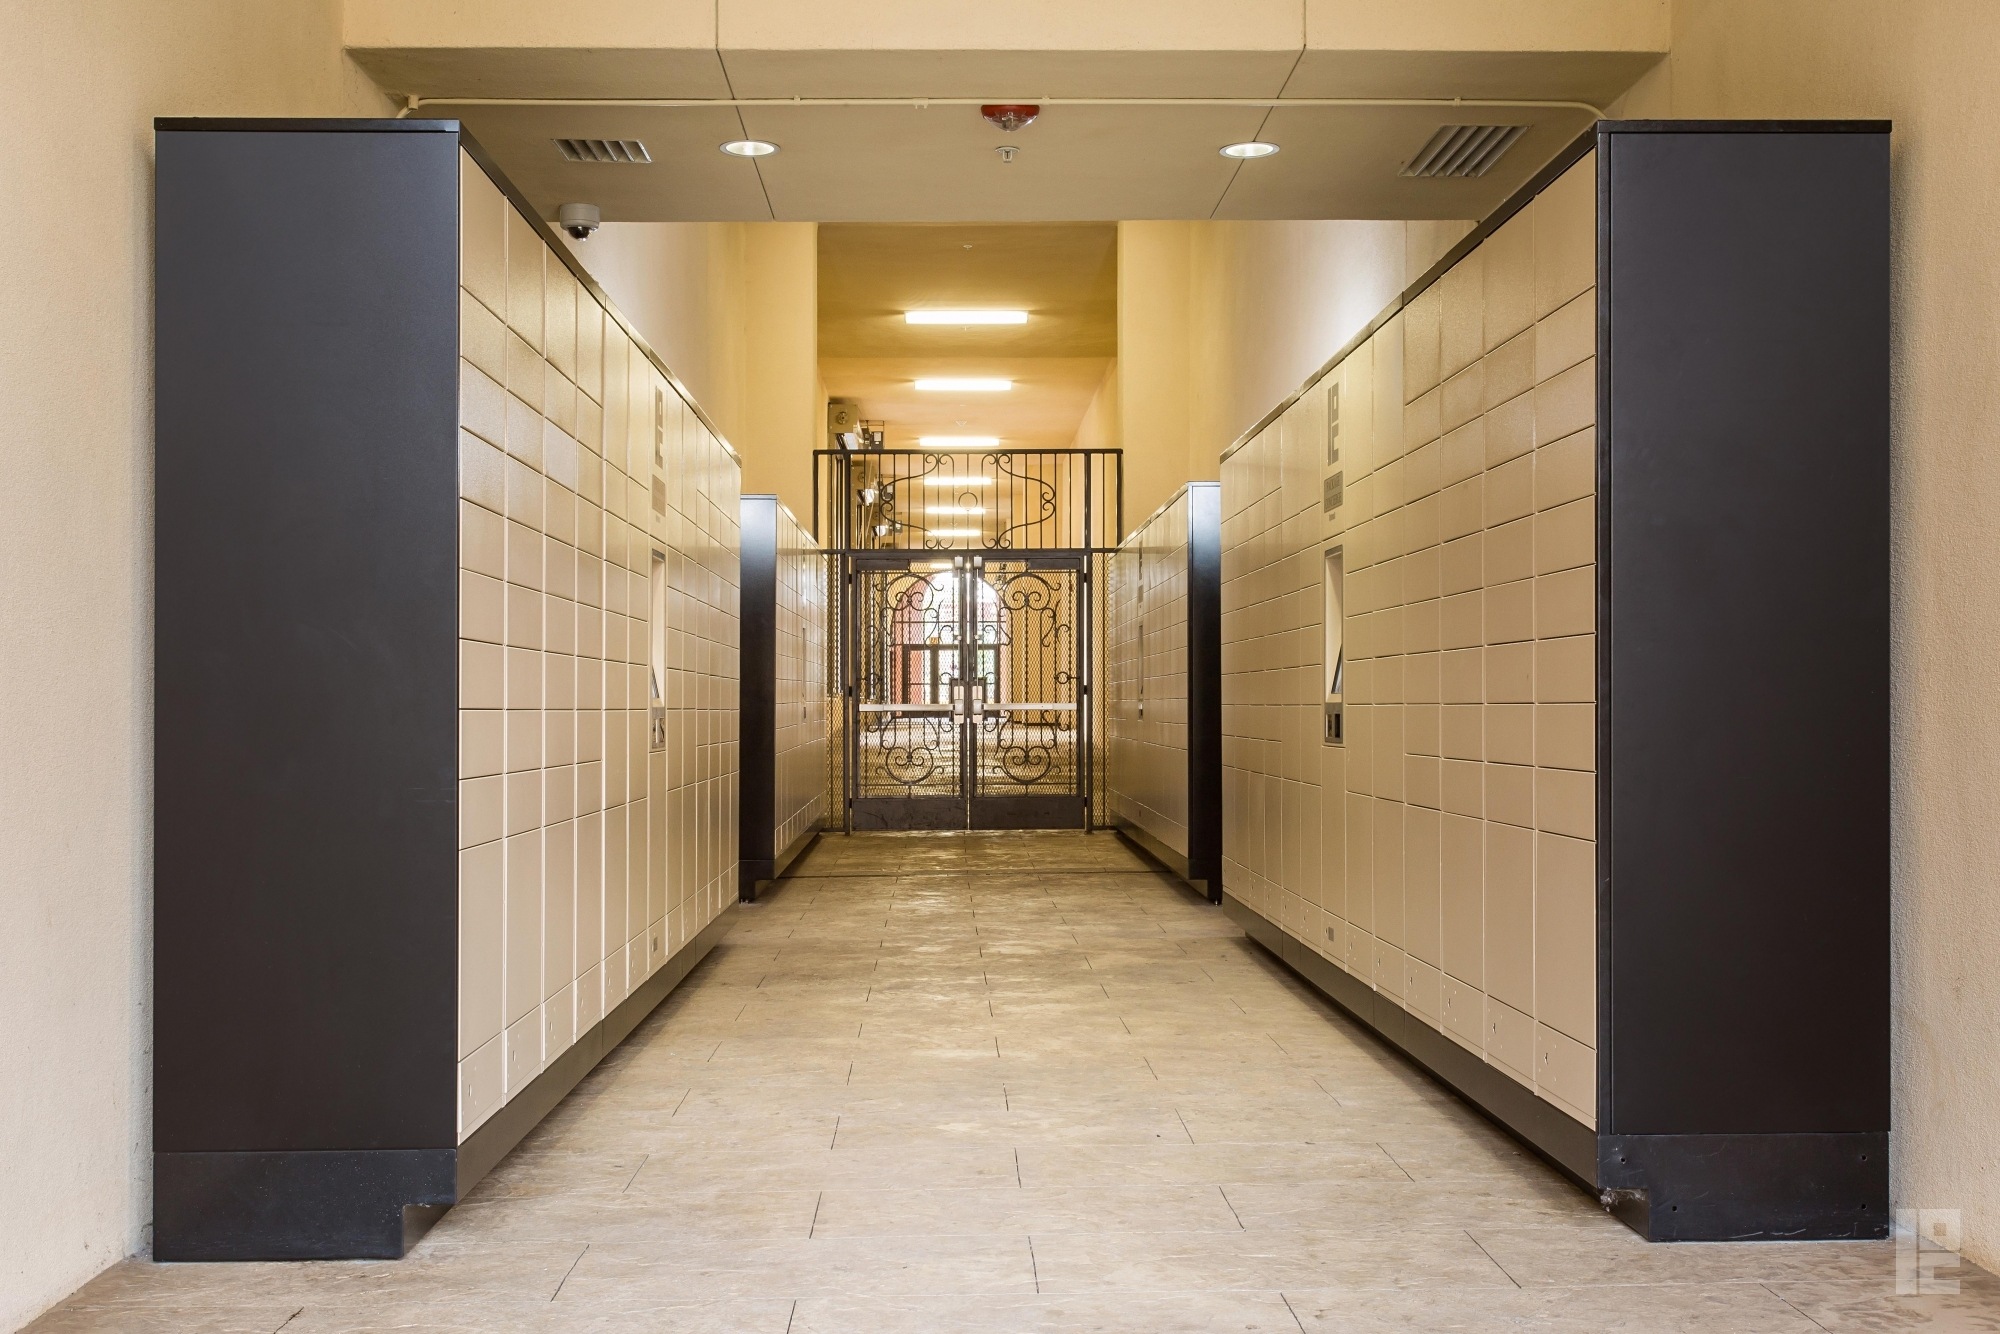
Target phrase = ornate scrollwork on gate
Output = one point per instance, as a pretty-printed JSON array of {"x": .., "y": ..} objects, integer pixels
[
  {"x": 907, "y": 740},
  {"x": 1033, "y": 496},
  {"x": 1029, "y": 740},
  {"x": 907, "y": 759},
  {"x": 929, "y": 501},
  {"x": 1025, "y": 752}
]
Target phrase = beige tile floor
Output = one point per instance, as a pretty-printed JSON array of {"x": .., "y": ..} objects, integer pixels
[{"x": 1016, "y": 1083}]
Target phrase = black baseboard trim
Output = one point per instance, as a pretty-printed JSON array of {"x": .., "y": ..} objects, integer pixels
[
  {"x": 765, "y": 874},
  {"x": 1148, "y": 845},
  {"x": 781, "y": 865},
  {"x": 482, "y": 1150},
  {"x": 1564, "y": 1142},
  {"x": 361, "y": 1204},
  {"x": 1798, "y": 1187}
]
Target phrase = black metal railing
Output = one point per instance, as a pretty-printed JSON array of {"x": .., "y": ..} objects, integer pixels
[
  {"x": 936, "y": 506},
  {"x": 968, "y": 500}
]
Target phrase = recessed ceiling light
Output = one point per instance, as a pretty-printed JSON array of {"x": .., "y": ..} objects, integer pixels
[
  {"x": 1251, "y": 148},
  {"x": 749, "y": 148},
  {"x": 957, "y": 441},
  {"x": 963, "y": 384},
  {"x": 965, "y": 317},
  {"x": 954, "y": 532},
  {"x": 956, "y": 509}
]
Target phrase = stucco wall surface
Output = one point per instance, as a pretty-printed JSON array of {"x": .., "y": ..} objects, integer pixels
[
  {"x": 1220, "y": 322},
  {"x": 733, "y": 307},
  {"x": 80, "y": 83}
]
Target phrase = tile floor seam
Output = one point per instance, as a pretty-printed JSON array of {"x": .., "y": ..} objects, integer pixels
[{"x": 571, "y": 1270}]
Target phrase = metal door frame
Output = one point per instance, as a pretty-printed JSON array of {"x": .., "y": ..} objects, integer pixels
[
  {"x": 968, "y": 809},
  {"x": 854, "y": 526},
  {"x": 1046, "y": 810},
  {"x": 910, "y": 812}
]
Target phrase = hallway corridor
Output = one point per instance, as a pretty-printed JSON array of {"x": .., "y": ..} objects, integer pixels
[{"x": 1010, "y": 1082}]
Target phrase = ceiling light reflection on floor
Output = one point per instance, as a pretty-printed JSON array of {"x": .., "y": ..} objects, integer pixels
[{"x": 963, "y": 384}]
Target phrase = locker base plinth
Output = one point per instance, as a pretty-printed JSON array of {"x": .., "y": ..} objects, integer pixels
[
  {"x": 1564, "y": 1142},
  {"x": 374, "y": 1204},
  {"x": 367, "y": 1204},
  {"x": 1802, "y": 1187}
]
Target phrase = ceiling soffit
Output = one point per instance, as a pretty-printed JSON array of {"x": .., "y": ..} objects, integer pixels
[
  {"x": 1105, "y": 48},
  {"x": 1075, "y": 164},
  {"x": 1081, "y": 162}
]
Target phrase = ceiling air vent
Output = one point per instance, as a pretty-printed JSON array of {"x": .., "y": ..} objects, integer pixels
[
  {"x": 1464, "y": 150},
  {"x": 603, "y": 150}
]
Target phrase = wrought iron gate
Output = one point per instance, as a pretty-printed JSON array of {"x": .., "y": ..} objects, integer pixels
[{"x": 966, "y": 651}]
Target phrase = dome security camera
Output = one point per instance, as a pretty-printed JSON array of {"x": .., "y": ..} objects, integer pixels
[{"x": 579, "y": 220}]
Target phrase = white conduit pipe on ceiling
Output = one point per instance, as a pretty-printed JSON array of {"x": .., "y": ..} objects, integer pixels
[{"x": 413, "y": 102}]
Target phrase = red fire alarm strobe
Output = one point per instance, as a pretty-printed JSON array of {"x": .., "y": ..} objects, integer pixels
[{"x": 1010, "y": 116}]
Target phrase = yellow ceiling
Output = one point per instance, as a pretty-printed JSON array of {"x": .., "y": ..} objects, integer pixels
[
  {"x": 1065, "y": 275},
  {"x": 1042, "y": 411}
]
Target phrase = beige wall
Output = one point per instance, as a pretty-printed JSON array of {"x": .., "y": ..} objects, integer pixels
[
  {"x": 783, "y": 412},
  {"x": 732, "y": 307},
  {"x": 1219, "y": 322},
  {"x": 681, "y": 284},
  {"x": 1272, "y": 301},
  {"x": 1100, "y": 425},
  {"x": 79, "y": 85},
  {"x": 1928, "y": 66},
  {"x": 1154, "y": 345}
]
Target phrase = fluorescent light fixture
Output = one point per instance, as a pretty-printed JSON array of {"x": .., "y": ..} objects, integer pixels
[
  {"x": 963, "y": 510},
  {"x": 958, "y": 481},
  {"x": 755, "y": 148},
  {"x": 963, "y": 384},
  {"x": 965, "y": 317},
  {"x": 1252, "y": 148},
  {"x": 956, "y": 441},
  {"x": 954, "y": 532}
]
